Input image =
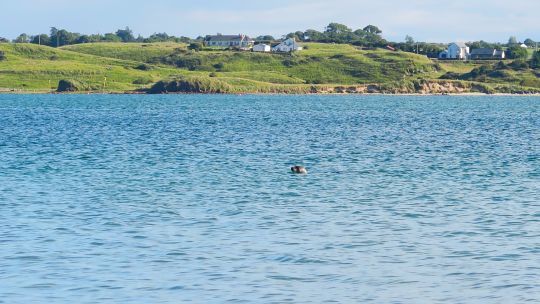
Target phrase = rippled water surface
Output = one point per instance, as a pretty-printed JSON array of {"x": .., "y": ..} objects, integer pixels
[{"x": 169, "y": 199}]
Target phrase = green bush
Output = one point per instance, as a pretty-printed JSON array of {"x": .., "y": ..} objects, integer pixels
[
  {"x": 219, "y": 66},
  {"x": 517, "y": 52},
  {"x": 143, "y": 67},
  {"x": 191, "y": 85},
  {"x": 188, "y": 63},
  {"x": 535, "y": 61},
  {"x": 196, "y": 46},
  {"x": 68, "y": 85},
  {"x": 519, "y": 65},
  {"x": 142, "y": 80},
  {"x": 451, "y": 75}
]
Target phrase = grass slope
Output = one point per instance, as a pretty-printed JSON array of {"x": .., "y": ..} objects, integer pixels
[
  {"x": 318, "y": 68},
  {"x": 31, "y": 67}
]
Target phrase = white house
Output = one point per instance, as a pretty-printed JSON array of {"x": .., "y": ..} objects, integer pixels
[
  {"x": 261, "y": 47},
  {"x": 289, "y": 45},
  {"x": 239, "y": 41},
  {"x": 457, "y": 50}
]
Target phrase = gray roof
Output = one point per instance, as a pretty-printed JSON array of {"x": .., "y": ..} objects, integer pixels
[
  {"x": 484, "y": 51},
  {"x": 227, "y": 38}
]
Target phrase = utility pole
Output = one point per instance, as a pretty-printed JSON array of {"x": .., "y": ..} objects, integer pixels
[
  {"x": 57, "y": 40},
  {"x": 39, "y": 39}
]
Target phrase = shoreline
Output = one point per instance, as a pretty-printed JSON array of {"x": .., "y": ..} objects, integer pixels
[{"x": 270, "y": 94}]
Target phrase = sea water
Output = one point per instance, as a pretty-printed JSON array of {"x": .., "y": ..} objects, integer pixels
[{"x": 189, "y": 198}]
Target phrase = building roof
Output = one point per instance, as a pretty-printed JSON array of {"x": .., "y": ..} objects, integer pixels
[
  {"x": 228, "y": 38},
  {"x": 484, "y": 51},
  {"x": 460, "y": 44}
]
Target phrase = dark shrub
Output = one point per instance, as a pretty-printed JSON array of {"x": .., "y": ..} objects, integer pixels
[
  {"x": 143, "y": 67},
  {"x": 189, "y": 63},
  {"x": 500, "y": 74},
  {"x": 451, "y": 75},
  {"x": 519, "y": 65},
  {"x": 501, "y": 66},
  {"x": 289, "y": 62},
  {"x": 517, "y": 52},
  {"x": 535, "y": 61},
  {"x": 196, "y": 46},
  {"x": 219, "y": 66},
  {"x": 191, "y": 85},
  {"x": 70, "y": 86},
  {"x": 2, "y": 56},
  {"x": 142, "y": 80}
]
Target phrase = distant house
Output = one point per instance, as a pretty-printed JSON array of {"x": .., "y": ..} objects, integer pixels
[
  {"x": 487, "y": 54},
  {"x": 289, "y": 45},
  {"x": 261, "y": 47},
  {"x": 240, "y": 41},
  {"x": 456, "y": 50}
]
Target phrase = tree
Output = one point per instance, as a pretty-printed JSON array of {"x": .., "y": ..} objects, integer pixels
[
  {"x": 313, "y": 35},
  {"x": 84, "y": 39},
  {"x": 337, "y": 28},
  {"x": 336, "y": 32},
  {"x": 482, "y": 44},
  {"x": 535, "y": 61},
  {"x": 298, "y": 36},
  {"x": 23, "y": 38},
  {"x": 517, "y": 52},
  {"x": 3, "y": 40},
  {"x": 512, "y": 41},
  {"x": 265, "y": 38},
  {"x": 529, "y": 42},
  {"x": 126, "y": 35},
  {"x": 63, "y": 37},
  {"x": 372, "y": 29},
  {"x": 409, "y": 40},
  {"x": 42, "y": 39},
  {"x": 110, "y": 37}
]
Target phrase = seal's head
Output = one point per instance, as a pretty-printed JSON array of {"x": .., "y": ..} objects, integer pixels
[{"x": 299, "y": 170}]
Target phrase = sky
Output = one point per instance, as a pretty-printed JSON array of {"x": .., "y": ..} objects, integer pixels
[{"x": 424, "y": 20}]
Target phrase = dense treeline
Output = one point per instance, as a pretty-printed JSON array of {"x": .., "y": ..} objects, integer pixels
[
  {"x": 339, "y": 33},
  {"x": 369, "y": 36},
  {"x": 61, "y": 37}
]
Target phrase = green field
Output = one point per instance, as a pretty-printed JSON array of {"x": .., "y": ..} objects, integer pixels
[{"x": 126, "y": 67}]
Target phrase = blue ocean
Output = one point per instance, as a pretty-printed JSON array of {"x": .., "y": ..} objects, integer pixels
[{"x": 190, "y": 199}]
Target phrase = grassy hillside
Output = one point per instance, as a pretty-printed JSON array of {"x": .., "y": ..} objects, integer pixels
[
  {"x": 318, "y": 68},
  {"x": 143, "y": 52},
  {"x": 318, "y": 64},
  {"x": 30, "y": 67}
]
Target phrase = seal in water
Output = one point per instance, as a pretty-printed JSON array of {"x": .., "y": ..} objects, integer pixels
[{"x": 299, "y": 170}]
